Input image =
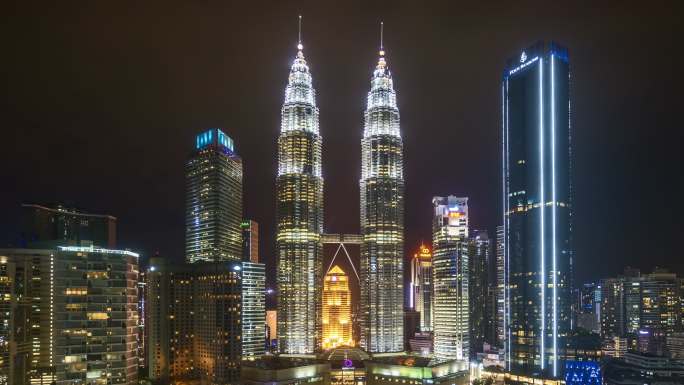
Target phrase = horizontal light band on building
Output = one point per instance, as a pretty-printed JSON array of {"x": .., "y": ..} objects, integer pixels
[{"x": 91, "y": 249}]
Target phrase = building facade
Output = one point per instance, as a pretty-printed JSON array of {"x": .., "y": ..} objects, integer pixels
[
  {"x": 382, "y": 218},
  {"x": 299, "y": 197},
  {"x": 69, "y": 315},
  {"x": 250, "y": 241},
  {"x": 337, "y": 325},
  {"x": 537, "y": 207},
  {"x": 450, "y": 278},
  {"x": 420, "y": 297},
  {"x": 213, "y": 207},
  {"x": 500, "y": 289},
  {"x": 253, "y": 310},
  {"x": 203, "y": 320},
  {"x": 50, "y": 226},
  {"x": 479, "y": 255},
  {"x": 95, "y": 316}
]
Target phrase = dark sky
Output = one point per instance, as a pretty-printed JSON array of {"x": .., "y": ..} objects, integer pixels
[{"x": 101, "y": 101}]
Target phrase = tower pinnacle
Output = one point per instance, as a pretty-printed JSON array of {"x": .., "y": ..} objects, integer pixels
[
  {"x": 299, "y": 38},
  {"x": 382, "y": 48}
]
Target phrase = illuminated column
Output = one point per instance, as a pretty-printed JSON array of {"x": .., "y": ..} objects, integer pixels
[
  {"x": 337, "y": 327},
  {"x": 299, "y": 189},
  {"x": 450, "y": 277},
  {"x": 537, "y": 207},
  {"x": 382, "y": 218}
]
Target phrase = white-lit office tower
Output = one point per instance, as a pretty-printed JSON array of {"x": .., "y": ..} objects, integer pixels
[
  {"x": 253, "y": 310},
  {"x": 299, "y": 200},
  {"x": 500, "y": 288},
  {"x": 213, "y": 207},
  {"x": 420, "y": 297},
  {"x": 537, "y": 207},
  {"x": 381, "y": 315},
  {"x": 450, "y": 277}
]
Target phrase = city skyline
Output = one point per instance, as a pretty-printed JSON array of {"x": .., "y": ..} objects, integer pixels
[{"x": 482, "y": 193}]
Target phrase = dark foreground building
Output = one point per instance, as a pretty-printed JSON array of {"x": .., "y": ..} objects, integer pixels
[
  {"x": 44, "y": 226},
  {"x": 537, "y": 207}
]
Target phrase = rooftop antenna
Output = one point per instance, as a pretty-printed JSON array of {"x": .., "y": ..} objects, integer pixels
[
  {"x": 382, "y": 48},
  {"x": 299, "y": 38}
]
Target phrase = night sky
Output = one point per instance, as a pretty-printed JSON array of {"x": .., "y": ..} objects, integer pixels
[{"x": 101, "y": 102}]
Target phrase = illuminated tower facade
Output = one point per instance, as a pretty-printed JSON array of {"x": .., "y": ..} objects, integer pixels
[
  {"x": 537, "y": 207},
  {"x": 299, "y": 186},
  {"x": 420, "y": 297},
  {"x": 213, "y": 210},
  {"x": 382, "y": 218},
  {"x": 450, "y": 277},
  {"x": 337, "y": 327}
]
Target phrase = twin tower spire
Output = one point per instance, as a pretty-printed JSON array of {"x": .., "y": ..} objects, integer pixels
[{"x": 299, "y": 189}]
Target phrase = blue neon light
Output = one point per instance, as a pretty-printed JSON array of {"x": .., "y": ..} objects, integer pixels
[
  {"x": 208, "y": 138},
  {"x": 583, "y": 372},
  {"x": 553, "y": 215}
]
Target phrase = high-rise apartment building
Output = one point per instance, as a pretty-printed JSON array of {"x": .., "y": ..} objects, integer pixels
[
  {"x": 213, "y": 207},
  {"x": 203, "y": 319},
  {"x": 299, "y": 197},
  {"x": 479, "y": 255},
  {"x": 94, "y": 313},
  {"x": 420, "y": 297},
  {"x": 141, "y": 337},
  {"x": 382, "y": 218},
  {"x": 250, "y": 241},
  {"x": 337, "y": 326},
  {"x": 27, "y": 350},
  {"x": 537, "y": 207},
  {"x": 59, "y": 225},
  {"x": 633, "y": 303},
  {"x": 450, "y": 278},
  {"x": 69, "y": 315}
]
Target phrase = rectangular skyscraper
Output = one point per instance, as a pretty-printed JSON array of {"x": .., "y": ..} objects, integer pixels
[
  {"x": 250, "y": 241},
  {"x": 537, "y": 207},
  {"x": 450, "y": 277},
  {"x": 213, "y": 200},
  {"x": 420, "y": 297},
  {"x": 478, "y": 293}
]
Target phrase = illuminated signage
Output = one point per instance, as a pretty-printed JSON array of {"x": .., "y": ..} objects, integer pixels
[{"x": 523, "y": 57}]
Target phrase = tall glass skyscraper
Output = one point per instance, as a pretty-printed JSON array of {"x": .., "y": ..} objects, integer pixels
[
  {"x": 420, "y": 296},
  {"x": 382, "y": 218},
  {"x": 537, "y": 207},
  {"x": 214, "y": 200},
  {"x": 299, "y": 186},
  {"x": 450, "y": 277}
]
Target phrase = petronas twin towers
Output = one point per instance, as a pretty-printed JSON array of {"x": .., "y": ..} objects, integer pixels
[{"x": 299, "y": 185}]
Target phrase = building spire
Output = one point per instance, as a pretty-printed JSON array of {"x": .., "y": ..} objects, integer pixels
[
  {"x": 381, "y": 61},
  {"x": 300, "y": 47},
  {"x": 382, "y": 48}
]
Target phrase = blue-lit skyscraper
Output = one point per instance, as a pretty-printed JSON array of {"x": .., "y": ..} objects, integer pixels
[
  {"x": 213, "y": 200},
  {"x": 537, "y": 207}
]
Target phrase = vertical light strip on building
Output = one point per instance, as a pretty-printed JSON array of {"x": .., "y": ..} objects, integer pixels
[
  {"x": 542, "y": 203},
  {"x": 553, "y": 215},
  {"x": 506, "y": 225}
]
